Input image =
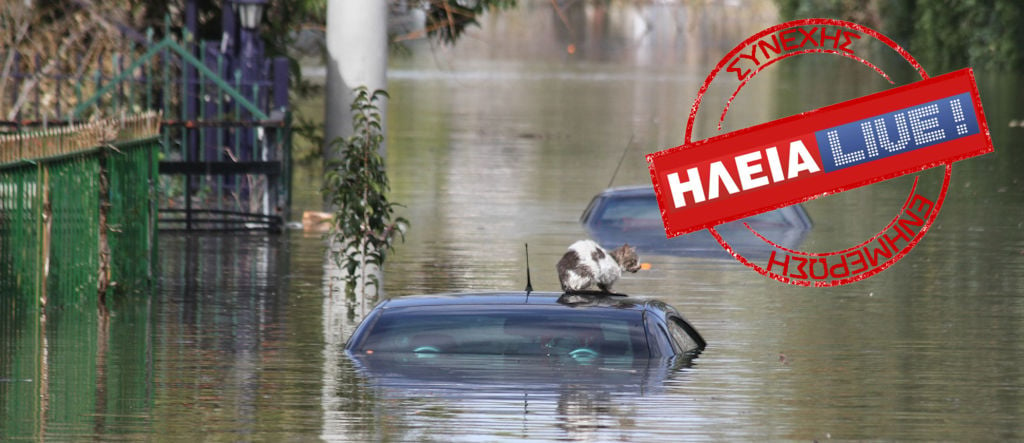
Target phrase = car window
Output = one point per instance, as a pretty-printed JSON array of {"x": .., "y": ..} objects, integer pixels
[
  {"x": 658, "y": 338},
  {"x": 631, "y": 210},
  {"x": 517, "y": 332},
  {"x": 682, "y": 342},
  {"x": 765, "y": 219},
  {"x": 594, "y": 202}
]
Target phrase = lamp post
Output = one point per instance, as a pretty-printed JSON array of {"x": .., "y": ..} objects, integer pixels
[{"x": 250, "y": 12}]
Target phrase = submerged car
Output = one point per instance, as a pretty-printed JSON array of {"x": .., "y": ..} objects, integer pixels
[
  {"x": 632, "y": 215},
  {"x": 582, "y": 327}
]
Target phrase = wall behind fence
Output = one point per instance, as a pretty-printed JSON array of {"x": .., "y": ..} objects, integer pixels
[{"x": 77, "y": 212}]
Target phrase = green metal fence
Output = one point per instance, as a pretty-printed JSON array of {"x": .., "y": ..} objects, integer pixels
[{"x": 77, "y": 212}]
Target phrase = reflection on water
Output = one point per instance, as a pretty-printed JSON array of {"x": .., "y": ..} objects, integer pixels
[
  {"x": 492, "y": 396},
  {"x": 71, "y": 373},
  {"x": 241, "y": 343}
]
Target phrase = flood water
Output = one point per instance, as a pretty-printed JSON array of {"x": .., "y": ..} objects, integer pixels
[{"x": 502, "y": 141}]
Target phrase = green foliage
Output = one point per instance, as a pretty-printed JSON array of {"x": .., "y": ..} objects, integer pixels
[
  {"x": 356, "y": 186},
  {"x": 977, "y": 33},
  {"x": 448, "y": 19},
  {"x": 863, "y": 12},
  {"x": 942, "y": 35}
]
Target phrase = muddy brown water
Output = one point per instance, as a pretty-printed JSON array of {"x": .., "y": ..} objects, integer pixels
[{"x": 492, "y": 145}]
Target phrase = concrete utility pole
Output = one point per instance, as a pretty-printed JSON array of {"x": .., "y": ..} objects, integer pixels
[{"x": 357, "y": 55}]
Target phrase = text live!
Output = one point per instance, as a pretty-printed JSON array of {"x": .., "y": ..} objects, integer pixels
[{"x": 828, "y": 150}]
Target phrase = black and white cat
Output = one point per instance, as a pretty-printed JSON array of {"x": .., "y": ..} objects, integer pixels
[{"x": 587, "y": 264}]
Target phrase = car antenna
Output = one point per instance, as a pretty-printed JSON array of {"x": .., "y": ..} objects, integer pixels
[
  {"x": 529, "y": 286},
  {"x": 624, "y": 151}
]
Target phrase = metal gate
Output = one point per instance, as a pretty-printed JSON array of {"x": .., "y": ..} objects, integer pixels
[{"x": 226, "y": 132}]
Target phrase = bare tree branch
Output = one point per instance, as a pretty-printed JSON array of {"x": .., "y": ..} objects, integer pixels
[{"x": 47, "y": 43}]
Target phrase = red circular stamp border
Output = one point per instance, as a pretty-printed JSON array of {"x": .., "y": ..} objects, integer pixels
[{"x": 932, "y": 213}]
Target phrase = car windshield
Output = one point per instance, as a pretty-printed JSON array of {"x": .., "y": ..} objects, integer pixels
[
  {"x": 643, "y": 212},
  {"x": 509, "y": 330},
  {"x": 631, "y": 212}
]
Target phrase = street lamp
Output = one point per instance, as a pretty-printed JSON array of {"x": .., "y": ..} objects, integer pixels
[{"x": 249, "y": 12}]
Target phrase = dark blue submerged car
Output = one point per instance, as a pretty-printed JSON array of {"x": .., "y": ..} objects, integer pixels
[
  {"x": 630, "y": 214},
  {"x": 578, "y": 328}
]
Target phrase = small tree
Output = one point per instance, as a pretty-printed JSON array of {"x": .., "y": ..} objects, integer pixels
[{"x": 356, "y": 186}]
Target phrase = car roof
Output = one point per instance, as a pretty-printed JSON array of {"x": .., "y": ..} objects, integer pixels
[
  {"x": 795, "y": 214},
  {"x": 564, "y": 305},
  {"x": 508, "y": 298},
  {"x": 628, "y": 191}
]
